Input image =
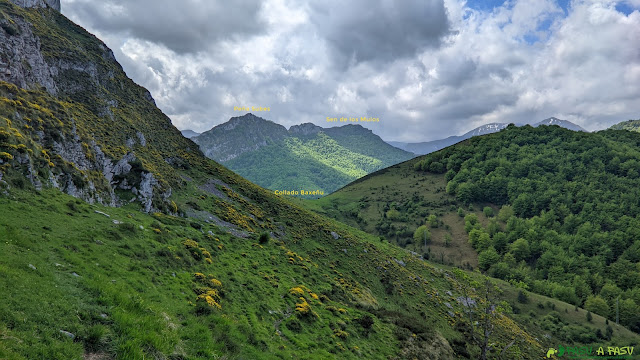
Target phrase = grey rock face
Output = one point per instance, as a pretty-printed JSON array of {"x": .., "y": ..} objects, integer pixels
[
  {"x": 145, "y": 193},
  {"x": 122, "y": 167},
  {"x": 54, "y": 4},
  {"x": 21, "y": 62},
  {"x": 141, "y": 138},
  {"x": 305, "y": 129},
  {"x": 72, "y": 151}
]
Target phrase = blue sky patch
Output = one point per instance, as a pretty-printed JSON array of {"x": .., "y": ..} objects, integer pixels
[
  {"x": 624, "y": 8},
  {"x": 489, "y": 5}
]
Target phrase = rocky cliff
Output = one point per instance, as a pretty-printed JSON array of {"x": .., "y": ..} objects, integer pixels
[
  {"x": 54, "y": 4},
  {"x": 70, "y": 118}
]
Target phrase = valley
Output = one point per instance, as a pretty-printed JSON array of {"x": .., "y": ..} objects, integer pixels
[{"x": 120, "y": 238}]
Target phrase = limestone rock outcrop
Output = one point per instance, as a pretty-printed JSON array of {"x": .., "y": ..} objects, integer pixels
[{"x": 54, "y": 4}]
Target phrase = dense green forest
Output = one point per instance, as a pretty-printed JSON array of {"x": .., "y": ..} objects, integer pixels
[{"x": 569, "y": 224}]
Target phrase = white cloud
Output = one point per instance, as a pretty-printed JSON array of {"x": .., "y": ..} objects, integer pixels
[{"x": 520, "y": 62}]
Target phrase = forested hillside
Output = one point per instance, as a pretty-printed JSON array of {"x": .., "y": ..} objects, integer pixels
[
  {"x": 631, "y": 125},
  {"x": 551, "y": 210}
]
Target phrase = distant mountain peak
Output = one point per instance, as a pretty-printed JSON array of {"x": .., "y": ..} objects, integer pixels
[
  {"x": 427, "y": 147},
  {"x": 305, "y": 129},
  {"x": 355, "y": 126},
  {"x": 350, "y": 129},
  {"x": 239, "y": 135},
  {"x": 486, "y": 129},
  {"x": 248, "y": 119},
  {"x": 563, "y": 123}
]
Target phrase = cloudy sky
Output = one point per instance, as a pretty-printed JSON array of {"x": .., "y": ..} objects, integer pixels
[{"x": 426, "y": 68}]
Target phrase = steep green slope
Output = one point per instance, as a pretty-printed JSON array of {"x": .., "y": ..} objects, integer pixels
[
  {"x": 306, "y": 157},
  {"x": 304, "y": 164},
  {"x": 195, "y": 262},
  {"x": 134, "y": 285},
  {"x": 553, "y": 210},
  {"x": 631, "y": 125},
  {"x": 275, "y": 165}
]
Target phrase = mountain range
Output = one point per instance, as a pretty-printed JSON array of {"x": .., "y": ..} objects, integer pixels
[
  {"x": 422, "y": 148},
  {"x": 304, "y": 157}
]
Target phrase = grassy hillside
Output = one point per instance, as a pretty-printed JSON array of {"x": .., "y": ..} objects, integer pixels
[
  {"x": 552, "y": 210},
  {"x": 408, "y": 198},
  {"x": 133, "y": 285},
  {"x": 79, "y": 283},
  {"x": 631, "y": 125}
]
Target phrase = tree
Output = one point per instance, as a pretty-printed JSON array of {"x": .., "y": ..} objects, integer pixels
[
  {"x": 484, "y": 241},
  {"x": 520, "y": 249},
  {"x": 506, "y": 211},
  {"x": 471, "y": 222},
  {"x": 629, "y": 313},
  {"x": 488, "y": 211},
  {"x": 474, "y": 237},
  {"x": 493, "y": 227},
  {"x": 447, "y": 240},
  {"x": 609, "y": 332},
  {"x": 482, "y": 310},
  {"x": 589, "y": 316},
  {"x": 464, "y": 193},
  {"x": 610, "y": 291},
  {"x": 582, "y": 288},
  {"x": 432, "y": 220},
  {"x": 500, "y": 270},
  {"x": 500, "y": 241},
  {"x": 393, "y": 214},
  {"x": 509, "y": 259},
  {"x": 487, "y": 258},
  {"x": 422, "y": 235},
  {"x": 437, "y": 167}
]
